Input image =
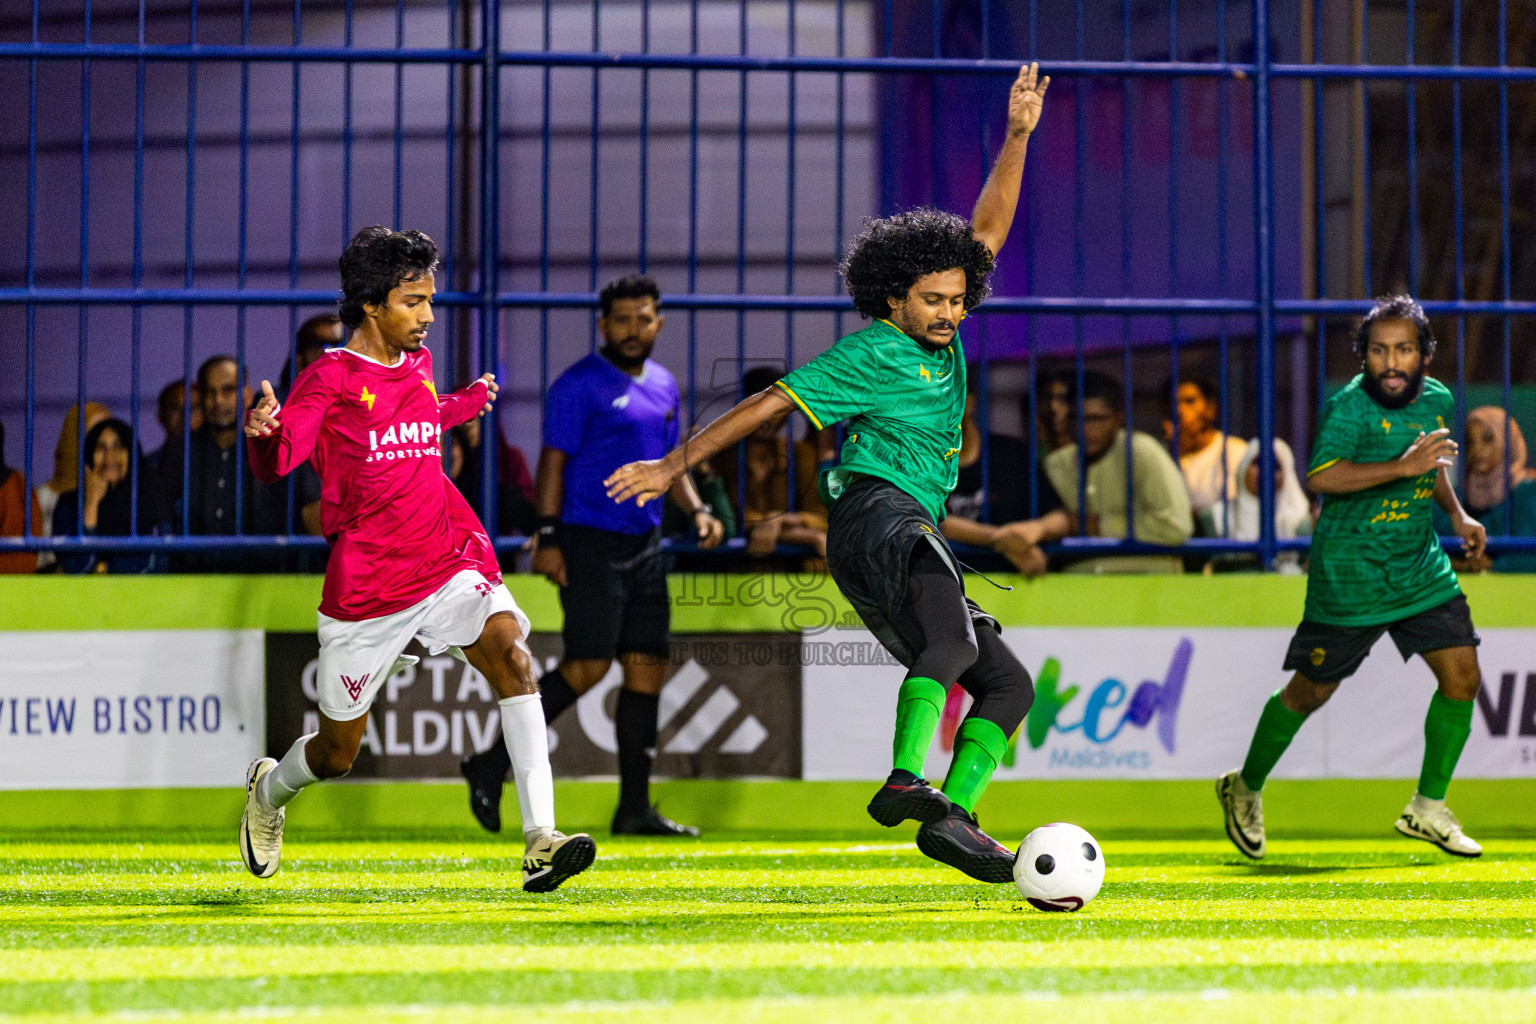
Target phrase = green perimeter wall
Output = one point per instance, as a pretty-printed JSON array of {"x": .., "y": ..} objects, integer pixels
[
  {"x": 716, "y": 604},
  {"x": 758, "y": 604}
]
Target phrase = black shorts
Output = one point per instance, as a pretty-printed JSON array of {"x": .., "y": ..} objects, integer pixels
[
  {"x": 1326, "y": 653},
  {"x": 616, "y": 602},
  {"x": 871, "y": 531}
]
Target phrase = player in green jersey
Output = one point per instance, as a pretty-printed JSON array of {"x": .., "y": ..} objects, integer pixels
[
  {"x": 1381, "y": 460},
  {"x": 900, "y": 386}
]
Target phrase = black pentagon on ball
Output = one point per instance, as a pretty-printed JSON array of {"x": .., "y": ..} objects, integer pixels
[
  {"x": 1045, "y": 864},
  {"x": 1090, "y": 852}
]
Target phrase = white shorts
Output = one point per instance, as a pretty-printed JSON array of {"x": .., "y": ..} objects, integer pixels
[{"x": 357, "y": 657}]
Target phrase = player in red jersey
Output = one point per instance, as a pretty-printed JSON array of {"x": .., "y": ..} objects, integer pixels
[{"x": 408, "y": 557}]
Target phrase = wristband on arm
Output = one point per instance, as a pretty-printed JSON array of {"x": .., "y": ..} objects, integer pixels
[{"x": 548, "y": 531}]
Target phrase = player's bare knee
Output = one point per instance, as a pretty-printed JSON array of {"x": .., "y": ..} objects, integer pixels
[
  {"x": 1462, "y": 685},
  {"x": 1303, "y": 696},
  {"x": 1456, "y": 672}
]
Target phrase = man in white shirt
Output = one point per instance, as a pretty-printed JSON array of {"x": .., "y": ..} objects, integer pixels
[{"x": 1208, "y": 458}]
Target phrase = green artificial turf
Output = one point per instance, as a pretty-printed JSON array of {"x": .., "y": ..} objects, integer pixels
[{"x": 432, "y": 925}]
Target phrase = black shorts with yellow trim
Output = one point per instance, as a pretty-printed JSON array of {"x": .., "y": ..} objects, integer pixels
[{"x": 1327, "y": 653}]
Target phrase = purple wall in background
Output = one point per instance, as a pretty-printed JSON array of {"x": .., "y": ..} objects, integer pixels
[{"x": 1085, "y": 191}]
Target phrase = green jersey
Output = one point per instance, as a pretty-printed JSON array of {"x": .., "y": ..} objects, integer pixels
[
  {"x": 903, "y": 401},
  {"x": 1375, "y": 556}
]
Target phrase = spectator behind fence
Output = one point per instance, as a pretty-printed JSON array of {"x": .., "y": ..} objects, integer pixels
[
  {"x": 66, "y": 468},
  {"x": 1053, "y": 420},
  {"x": 1499, "y": 491},
  {"x": 170, "y": 411},
  {"x": 1006, "y": 528},
  {"x": 1158, "y": 506},
  {"x": 678, "y": 525},
  {"x": 1208, "y": 458},
  {"x": 214, "y": 472},
  {"x": 1240, "y": 518},
  {"x": 515, "y": 514},
  {"x": 310, "y": 341},
  {"x": 103, "y": 508},
  {"x": 14, "y": 496},
  {"x": 765, "y": 503}
]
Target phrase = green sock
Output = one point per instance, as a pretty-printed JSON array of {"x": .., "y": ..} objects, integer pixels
[
  {"x": 979, "y": 746},
  {"x": 918, "y": 707},
  {"x": 1277, "y": 727},
  {"x": 1446, "y": 728}
]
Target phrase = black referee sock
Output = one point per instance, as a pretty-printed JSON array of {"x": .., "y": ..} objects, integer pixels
[
  {"x": 556, "y": 695},
  {"x": 635, "y": 725}
]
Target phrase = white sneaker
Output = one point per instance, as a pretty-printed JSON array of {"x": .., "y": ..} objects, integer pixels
[
  {"x": 1244, "y": 811},
  {"x": 261, "y": 826},
  {"x": 1440, "y": 827},
  {"x": 554, "y": 857}
]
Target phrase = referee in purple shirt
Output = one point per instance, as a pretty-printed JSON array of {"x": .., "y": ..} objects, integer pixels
[{"x": 614, "y": 407}]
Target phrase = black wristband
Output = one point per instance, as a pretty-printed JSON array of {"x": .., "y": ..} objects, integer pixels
[{"x": 549, "y": 531}]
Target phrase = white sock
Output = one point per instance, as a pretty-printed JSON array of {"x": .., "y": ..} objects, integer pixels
[
  {"x": 527, "y": 738},
  {"x": 292, "y": 774},
  {"x": 1425, "y": 806}
]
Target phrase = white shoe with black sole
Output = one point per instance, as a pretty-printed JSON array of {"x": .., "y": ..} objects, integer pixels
[
  {"x": 555, "y": 857},
  {"x": 1440, "y": 827},
  {"x": 261, "y": 826},
  {"x": 1244, "y": 813}
]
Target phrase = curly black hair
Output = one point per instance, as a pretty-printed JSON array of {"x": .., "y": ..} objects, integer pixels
[
  {"x": 376, "y": 262},
  {"x": 630, "y": 286},
  {"x": 1396, "y": 307},
  {"x": 890, "y": 254}
]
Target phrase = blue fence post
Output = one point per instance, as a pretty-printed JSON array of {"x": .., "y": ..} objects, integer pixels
[
  {"x": 490, "y": 246},
  {"x": 1264, "y": 268}
]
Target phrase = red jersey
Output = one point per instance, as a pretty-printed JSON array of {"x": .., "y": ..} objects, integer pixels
[{"x": 397, "y": 527}]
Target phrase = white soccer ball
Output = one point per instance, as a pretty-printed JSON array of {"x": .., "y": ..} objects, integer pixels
[{"x": 1059, "y": 867}]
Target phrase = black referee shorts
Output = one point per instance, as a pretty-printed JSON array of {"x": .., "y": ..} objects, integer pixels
[
  {"x": 1327, "y": 653},
  {"x": 616, "y": 602}
]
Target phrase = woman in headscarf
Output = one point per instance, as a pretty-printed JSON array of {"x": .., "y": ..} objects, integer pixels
[
  {"x": 1499, "y": 489},
  {"x": 66, "y": 468},
  {"x": 1240, "y": 519},
  {"x": 103, "y": 507}
]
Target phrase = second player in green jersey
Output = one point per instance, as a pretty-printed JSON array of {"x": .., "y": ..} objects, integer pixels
[{"x": 1381, "y": 458}]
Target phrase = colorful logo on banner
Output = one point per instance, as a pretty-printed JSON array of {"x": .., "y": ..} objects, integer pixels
[{"x": 1104, "y": 711}]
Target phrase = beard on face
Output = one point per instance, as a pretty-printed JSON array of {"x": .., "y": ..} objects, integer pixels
[
  {"x": 1372, "y": 386},
  {"x": 616, "y": 355}
]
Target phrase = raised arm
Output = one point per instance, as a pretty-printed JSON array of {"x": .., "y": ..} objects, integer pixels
[
  {"x": 650, "y": 479},
  {"x": 993, "y": 215}
]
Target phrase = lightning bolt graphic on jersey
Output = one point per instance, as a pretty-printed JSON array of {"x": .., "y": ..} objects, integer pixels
[{"x": 367, "y": 396}]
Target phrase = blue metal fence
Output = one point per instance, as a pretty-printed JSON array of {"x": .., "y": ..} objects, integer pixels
[{"x": 507, "y": 76}]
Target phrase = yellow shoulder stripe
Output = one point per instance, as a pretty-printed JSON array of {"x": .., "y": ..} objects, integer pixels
[
  {"x": 1319, "y": 469},
  {"x": 796, "y": 398}
]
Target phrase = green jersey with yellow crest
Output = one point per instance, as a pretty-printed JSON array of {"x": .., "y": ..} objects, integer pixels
[
  {"x": 1375, "y": 555},
  {"x": 903, "y": 401}
]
